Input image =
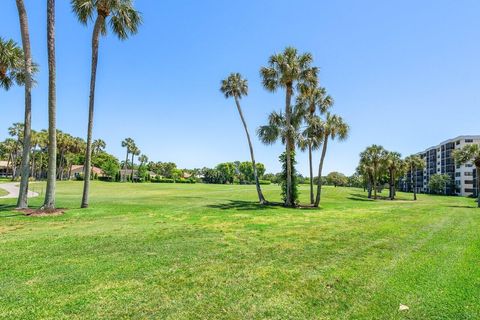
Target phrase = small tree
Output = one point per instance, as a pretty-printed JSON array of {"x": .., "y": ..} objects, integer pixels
[
  {"x": 336, "y": 179},
  {"x": 438, "y": 183}
]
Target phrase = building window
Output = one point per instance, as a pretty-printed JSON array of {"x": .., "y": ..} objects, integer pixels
[
  {"x": 458, "y": 174},
  {"x": 469, "y": 190},
  {"x": 468, "y": 181},
  {"x": 469, "y": 165},
  {"x": 468, "y": 140},
  {"x": 468, "y": 174}
]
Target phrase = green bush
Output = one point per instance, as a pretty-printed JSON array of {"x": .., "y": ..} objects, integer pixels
[
  {"x": 163, "y": 180},
  {"x": 265, "y": 182}
]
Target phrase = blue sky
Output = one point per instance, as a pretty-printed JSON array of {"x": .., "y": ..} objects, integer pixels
[{"x": 404, "y": 74}]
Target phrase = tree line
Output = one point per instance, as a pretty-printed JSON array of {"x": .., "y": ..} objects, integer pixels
[{"x": 17, "y": 68}]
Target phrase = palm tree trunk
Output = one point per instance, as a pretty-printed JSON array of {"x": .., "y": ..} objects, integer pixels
[
  {"x": 49, "y": 202},
  {"x": 22, "y": 202},
  {"x": 88, "y": 156},
  {"x": 288, "y": 151},
  {"x": 320, "y": 168},
  {"x": 131, "y": 174},
  {"x": 261, "y": 198},
  {"x": 375, "y": 183},
  {"x": 312, "y": 199},
  {"x": 478, "y": 187},
  {"x": 392, "y": 185},
  {"x": 124, "y": 175},
  {"x": 414, "y": 185}
]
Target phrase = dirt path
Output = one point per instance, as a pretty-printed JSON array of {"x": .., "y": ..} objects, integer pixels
[{"x": 13, "y": 189}]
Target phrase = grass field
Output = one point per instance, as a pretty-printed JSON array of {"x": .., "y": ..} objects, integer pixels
[{"x": 209, "y": 252}]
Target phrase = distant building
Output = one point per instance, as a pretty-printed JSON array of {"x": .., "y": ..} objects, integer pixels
[
  {"x": 77, "y": 171},
  {"x": 6, "y": 169},
  {"x": 439, "y": 160}
]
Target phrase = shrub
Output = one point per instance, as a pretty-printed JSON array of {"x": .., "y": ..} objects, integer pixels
[
  {"x": 265, "y": 182},
  {"x": 163, "y": 180}
]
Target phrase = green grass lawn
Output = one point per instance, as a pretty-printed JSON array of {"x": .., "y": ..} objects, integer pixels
[{"x": 179, "y": 251}]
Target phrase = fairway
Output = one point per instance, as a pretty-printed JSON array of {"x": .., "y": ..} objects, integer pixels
[{"x": 178, "y": 251}]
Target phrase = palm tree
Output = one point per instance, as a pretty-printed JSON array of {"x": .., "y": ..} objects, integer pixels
[
  {"x": 143, "y": 159},
  {"x": 22, "y": 201},
  {"x": 309, "y": 99},
  {"x": 413, "y": 164},
  {"x": 135, "y": 151},
  {"x": 365, "y": 168},
  {"x": 127, "y": 143},
  {"x": 470, "y": 153},
  {"x": 11, "y": 63},
  {"x": 237, "y": 87},
  {"x": 98, "y": 145},
  {"x": 333, "y": 127},
  {"x": 49, "y": 202},
  {"x": 124, "y": 21},
  {"x": 373, "y": 157},
  {"x": 288, "y": 70},
  {"x": 394, "y": 164}
]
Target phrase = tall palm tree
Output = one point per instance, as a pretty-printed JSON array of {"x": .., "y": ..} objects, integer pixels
[
  {"x": 49, "y": 202},
  {"x": 288, "y": 70},
  {"x": 135, "y": 151},
  {"x": 237, "y": 87},
  {"x": 374, "y": 156},
  {"x": 310, "y": 98},
  {"x": 413, "y": 164},
  {"x": 22, "y": 201},
  {"x": 394, "y": 164},
  {"x": 124, "y": 20},
  {"x": 334, "y": 127},
  {"x": 467, "y": 154},
  {"x": 127, "y": 143}
]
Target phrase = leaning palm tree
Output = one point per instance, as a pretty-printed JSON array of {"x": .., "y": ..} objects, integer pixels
[
  {"x": 22, "y": 201},
  {"x": 312, "y": 97},
  {"x": 394, "y": 164},
  {"x": 413, "y": 164},
  {"x": 373, "y": 158},
  {"x": 124, "y": 20},
  {"x": 237, "y": 87},
  {"x": 467, "y": 154},
  {"x": 288, "y": 70},
  {"x": 334, "y": 127},
  {"x": 49, "y": 202}
]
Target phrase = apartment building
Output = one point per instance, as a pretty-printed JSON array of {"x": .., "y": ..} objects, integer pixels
[{"x": 439, "y": 160}]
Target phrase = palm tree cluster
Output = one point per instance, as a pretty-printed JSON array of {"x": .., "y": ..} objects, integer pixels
[
  {"x": 70, "y": 150},
  {"x": 378, "y": 166},
  {"x": 308, "y": 123},
  {"x": 133, "y": 151},
  {"x": 17, "y": 68}
]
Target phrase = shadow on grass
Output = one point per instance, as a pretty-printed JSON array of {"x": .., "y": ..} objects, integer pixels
[
  {"x": 8, "y": 208},
  {"x": 243, "y": 205},
  {"x": 463, "y": 207},
  {"x": 364, "y": 197}
]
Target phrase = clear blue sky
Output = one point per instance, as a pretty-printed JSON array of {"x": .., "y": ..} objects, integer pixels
[{"x": 404, "y": 74}]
